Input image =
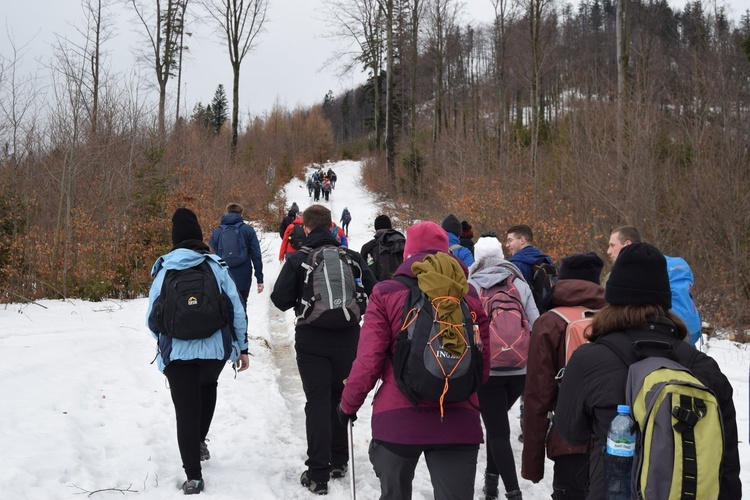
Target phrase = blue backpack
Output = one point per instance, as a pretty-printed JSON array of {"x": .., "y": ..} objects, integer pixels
[
  {"x": 232, "y": 245},
  {"x": 681, "y": 283}
]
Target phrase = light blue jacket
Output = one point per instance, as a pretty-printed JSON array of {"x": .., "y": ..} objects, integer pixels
[{"x": 220, "y": 345}]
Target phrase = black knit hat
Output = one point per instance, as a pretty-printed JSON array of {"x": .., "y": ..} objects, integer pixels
[
  {"x": 382, "y": 222},
  {"x": 452, "y": 225},
  {"x": 581, "y": 266},
  {"x": 185, "y": 226},
  {"x": 465, "y": 226},
  {"x": 639, "y": 276}
]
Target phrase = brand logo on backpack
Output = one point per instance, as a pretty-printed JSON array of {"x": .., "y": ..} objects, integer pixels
[
  {"x": 190, "y": 305},
  {"x": 333, "y": 296},
  {"x": 425, "y": 369}
]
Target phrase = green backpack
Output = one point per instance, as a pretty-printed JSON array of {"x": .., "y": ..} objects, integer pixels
[{"x": 680, "y": 442}]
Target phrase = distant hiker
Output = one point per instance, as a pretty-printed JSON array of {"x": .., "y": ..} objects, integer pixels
[
  {"x": 402, "y": 429},
  {"x": 317, "y": 186},
  {"x": 467, "y": 236},
  {"x": 236, "y": 243},
  {"x": 385, "y": 252},
  {"x": 681, "y": 281},
  {"x": 339, "y": 234},
  {"x": 294, "y": 238},
  {"x": 309, "y": 186},
  {"x": 577, "y": 296},
  {"x": 326, "y": 188},
  {"x": 288, "y": 218},
  {"x": 346, "y": 218},
  {"x": 194, "y": 346},
  {"x": 332, "y": 176},
  {"x": 452, "y": 226},
  {"x": 327, "y": 285},
  {"x": 510, "y": 307},
  {"x": 635, "y": 325}
]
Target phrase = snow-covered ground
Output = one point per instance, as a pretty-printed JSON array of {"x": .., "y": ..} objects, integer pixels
[{"x": 82, "y": 410}]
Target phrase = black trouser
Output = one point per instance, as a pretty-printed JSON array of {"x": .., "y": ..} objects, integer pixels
[
  {"x": 496, "y": 397},
  {"x": 452, "y": 469},
  {"x": 193, "y": 386},
  {"x": 345, "y": 227},
  {"x": 571, "y": 477},
  {"x": 323, "y": 370},
  {"x": 244, "y": 294}
]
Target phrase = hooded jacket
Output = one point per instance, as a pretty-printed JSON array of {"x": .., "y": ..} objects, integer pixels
[
  {"x": 594, "y": 384},
  {"x": 289, "y": 287},
  {"x": 242, "y": 274},
  {"x": 221, "y": 345},
  {"x": 490, "y": 271},
  {"x": 394, "y": 418},
  {"x": 547, "y": 357},
  {"x": 526, "y": 258}
]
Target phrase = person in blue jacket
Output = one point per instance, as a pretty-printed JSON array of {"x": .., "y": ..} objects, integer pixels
[
  {"x": 522, "y": 253},
  {"x": 192, "y": 367},
  {"x": 452, "y": 226},
  {"x": 242, "y": 274}
]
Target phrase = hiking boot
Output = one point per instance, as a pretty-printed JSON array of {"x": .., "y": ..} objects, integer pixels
[
  {"x": 193, "y": 486},
  {"x": 317, "y": 488},
  {"x": 205, "y": 454},
  {"x": 490, "y": 486},
  {"x": 338, "y": 471},
  {"x": 514, "y": 495}
]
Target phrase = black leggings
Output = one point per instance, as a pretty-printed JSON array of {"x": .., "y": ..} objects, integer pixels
[
  {"x": 496, "y": 397},
  {"x": 193, "y": 386}
]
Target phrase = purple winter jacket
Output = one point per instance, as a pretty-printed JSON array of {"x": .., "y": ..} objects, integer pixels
[{"x": 394, "y": 418}]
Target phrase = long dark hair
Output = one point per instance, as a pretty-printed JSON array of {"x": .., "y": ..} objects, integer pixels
[{"x": 615, "y": 318}]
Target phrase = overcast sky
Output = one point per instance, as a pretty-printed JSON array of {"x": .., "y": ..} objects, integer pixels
[{"x": 287, "y": 64}]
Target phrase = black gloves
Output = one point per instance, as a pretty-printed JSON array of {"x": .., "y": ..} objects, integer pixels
[{"x": 344, "y": 418}]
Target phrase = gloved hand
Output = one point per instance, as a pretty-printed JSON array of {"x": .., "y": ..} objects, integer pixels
[{"x": 344, "y": 418}]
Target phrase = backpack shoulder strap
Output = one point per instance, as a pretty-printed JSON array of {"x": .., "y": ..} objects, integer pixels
[{"x": 454, "y": 247}]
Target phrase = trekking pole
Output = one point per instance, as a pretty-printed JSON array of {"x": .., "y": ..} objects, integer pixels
[{"x": 351, "y": 459}]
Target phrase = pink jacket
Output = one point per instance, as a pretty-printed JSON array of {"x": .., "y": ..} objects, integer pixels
[{"x": 394, "y": 418}]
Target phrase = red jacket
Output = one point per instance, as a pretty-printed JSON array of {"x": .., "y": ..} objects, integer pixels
[
  {"x": 394, "y": 418},
  {"x": 286, "y": 247},
  {"x": 546, "y": 357}
]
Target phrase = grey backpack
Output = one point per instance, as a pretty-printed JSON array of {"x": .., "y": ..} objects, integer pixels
[{"x": 332, "y": 294}]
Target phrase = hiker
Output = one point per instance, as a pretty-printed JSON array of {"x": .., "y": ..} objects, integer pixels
[
  {"x": 452, "y": 226},
  {"x": 401, "y": 431},
  {"x": 681, "y": 281},
  {"x": 324, "y": 353},
  {"x": 309, "y": 186},
  {"x": 236, "y": 243},
  {"x": 502, "y": 290},
  {"x": 522, "y": 253},
  {"x": 288, "y": 218},
  {"x": 294, "y": 238},
  {"x": 467, "y": 236},
  {"x": 332, "y": 176},
  {"x": 385, "y": 252},
  {"x": 316, "y": 189},
  {"x": 326, "y": 188},
  {"x": 192, "y": 367},
  {"x": 339, "y": 234},
  {"x": 634, "y": 322},
  {"x": 346, "y": 218},
  {"x": 577, "y": 288}
]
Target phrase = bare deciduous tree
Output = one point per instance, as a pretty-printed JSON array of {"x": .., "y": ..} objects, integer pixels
[{"x": 240, "y": 23}]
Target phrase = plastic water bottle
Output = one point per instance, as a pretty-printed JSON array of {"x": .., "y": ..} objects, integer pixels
[{"x": 618, "y": 458}]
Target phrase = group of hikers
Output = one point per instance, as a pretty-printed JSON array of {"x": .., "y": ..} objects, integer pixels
[
  {"x": 321, "y": 181},
  {"x": 455, "y": 333}
]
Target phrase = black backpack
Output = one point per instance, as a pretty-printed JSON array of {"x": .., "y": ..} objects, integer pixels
[
  {"x": 297, "y": 237},
  {"x": 542, "y": 283},
  {"x": 191, "y": 305},
  {"x": 232, "y": 246},
  {"x": 423, "y": 370},
  {"x": 388, "y": 254}
]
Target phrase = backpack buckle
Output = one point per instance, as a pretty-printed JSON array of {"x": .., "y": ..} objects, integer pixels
[{"x": 685, "y": 415}]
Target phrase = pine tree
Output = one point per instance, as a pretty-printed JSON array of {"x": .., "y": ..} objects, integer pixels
[{"x": 219, "y": 108}]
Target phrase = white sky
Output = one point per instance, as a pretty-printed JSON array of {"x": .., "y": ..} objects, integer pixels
[
  {"x": 82, "y": 408},
  {"x": 287, "y": 64}
]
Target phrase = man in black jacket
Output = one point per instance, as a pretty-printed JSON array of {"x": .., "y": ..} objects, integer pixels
[
  {"x": 385, "y": 252},
  {"x": 639, "y": 299},
  {"x": 324, "y": 355}
]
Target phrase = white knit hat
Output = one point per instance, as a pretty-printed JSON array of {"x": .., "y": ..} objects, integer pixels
[{"x": 488, "y": 246}]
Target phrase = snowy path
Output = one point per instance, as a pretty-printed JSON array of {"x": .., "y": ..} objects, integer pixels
[{"x": 82, "y": 409}]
